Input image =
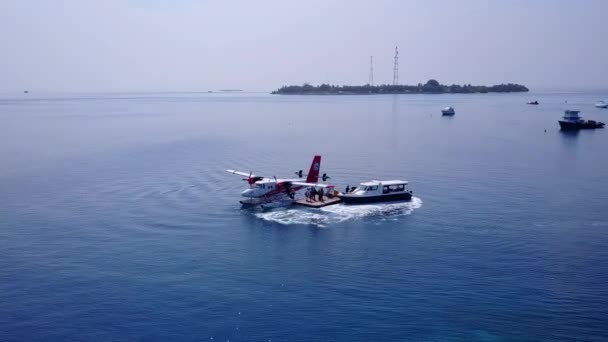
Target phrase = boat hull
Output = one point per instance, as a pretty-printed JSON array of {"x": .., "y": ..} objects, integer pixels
[
  {"x": 352, "y": 199},
  {"x": 589, "y": 124}
]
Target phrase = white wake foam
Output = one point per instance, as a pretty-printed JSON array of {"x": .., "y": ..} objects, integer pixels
[{"x": 326, "y": 216}]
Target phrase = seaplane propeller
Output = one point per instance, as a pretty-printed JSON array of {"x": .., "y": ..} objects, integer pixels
[
  {"x": 252, "y": 179},
  {"x": 299, "y": 173},
  {"x": 325, "y": 177},
  {"x": 248, "y": 179}
]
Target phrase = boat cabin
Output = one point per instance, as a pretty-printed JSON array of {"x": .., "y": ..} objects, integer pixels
[
  {"x": 448, "y": 111},
  {"x": 572, "y": 115},
  {"x": 375, "y": 188},
  {"x": 378, "y": 191}
]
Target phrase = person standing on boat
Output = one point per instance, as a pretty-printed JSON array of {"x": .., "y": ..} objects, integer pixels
[
  {"x": 347, "y": 189},
  {"x": 321, "y": 194}
]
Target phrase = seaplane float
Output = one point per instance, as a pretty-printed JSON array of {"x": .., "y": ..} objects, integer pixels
[{"x": 262, "y": 190}]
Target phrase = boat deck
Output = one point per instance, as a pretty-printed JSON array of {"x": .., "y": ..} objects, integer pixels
[{"x": 318, "y": 204}]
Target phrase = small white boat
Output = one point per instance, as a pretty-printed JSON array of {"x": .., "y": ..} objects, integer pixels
[
  {"x": 448, "y": 111},
  {"x": 601, "y": 104},
  {"x": 378, "y": 191}
]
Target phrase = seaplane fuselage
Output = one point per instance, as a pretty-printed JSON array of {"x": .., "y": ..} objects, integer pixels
[{"x": 271, "y": 187}]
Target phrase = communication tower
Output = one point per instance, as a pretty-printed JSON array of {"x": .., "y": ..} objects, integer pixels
[
  {"x": 371, "y": 70},
  {"x": 396, "y": 68}
]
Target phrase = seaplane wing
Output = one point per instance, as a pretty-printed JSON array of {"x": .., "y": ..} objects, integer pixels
[
  {"x": 244, "y": 174},
  {"x": 316, "y": 185}
]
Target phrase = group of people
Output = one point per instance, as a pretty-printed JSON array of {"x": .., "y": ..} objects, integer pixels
[{"x": 312, "y": 193}]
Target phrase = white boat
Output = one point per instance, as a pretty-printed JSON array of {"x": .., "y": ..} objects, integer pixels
[
  {"x": 378, "y": 191},
  {"x": 448, "y": 111},
  {"x": 601, "y": 104}
]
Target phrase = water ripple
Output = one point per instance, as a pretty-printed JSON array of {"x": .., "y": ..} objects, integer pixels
[{"x": 329, "y": 215}]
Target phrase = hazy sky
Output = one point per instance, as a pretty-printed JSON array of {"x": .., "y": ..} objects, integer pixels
[{"x": 157, "y": 45}]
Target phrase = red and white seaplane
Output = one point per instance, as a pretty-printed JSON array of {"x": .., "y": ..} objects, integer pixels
[{"x": 263, "y": 190}]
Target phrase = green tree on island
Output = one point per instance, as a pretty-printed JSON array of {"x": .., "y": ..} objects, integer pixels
[{"x": 432, "y": 86}]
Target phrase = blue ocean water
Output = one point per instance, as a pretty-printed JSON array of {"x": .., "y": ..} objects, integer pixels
[{"x": 118, "y": 222}]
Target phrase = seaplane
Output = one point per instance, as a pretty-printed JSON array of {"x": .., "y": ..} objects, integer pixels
[{"x": 264, "y": 190}]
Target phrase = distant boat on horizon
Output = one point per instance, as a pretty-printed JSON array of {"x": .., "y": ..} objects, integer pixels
[
  {"x": 448, "y": 111},
  {"x": 231, "y": 90},
  {"x": 601, "y": 104},
  {"x": 572, "y": 121}
]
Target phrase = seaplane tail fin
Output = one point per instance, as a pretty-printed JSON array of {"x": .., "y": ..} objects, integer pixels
[{"x": 313, "y": 173}]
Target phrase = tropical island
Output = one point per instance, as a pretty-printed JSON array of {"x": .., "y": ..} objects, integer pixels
[{"x": 430, "y": 87}]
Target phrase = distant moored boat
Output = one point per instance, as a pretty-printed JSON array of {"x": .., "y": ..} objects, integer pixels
[
  {"x": 532, "y": 102},
  {"x": 448, "y": 111},
  {"x": 572, "y": 121},
  {"x": 601, "y": 104}
]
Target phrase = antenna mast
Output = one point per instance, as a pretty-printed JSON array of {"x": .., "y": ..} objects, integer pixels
[
  {"x": 371, "y": 70},
  {"x": 396, "y": 68}
]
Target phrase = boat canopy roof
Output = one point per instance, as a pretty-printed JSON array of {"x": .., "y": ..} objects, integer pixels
[
  {"x": 386, "y": 182},
  {"x": 571, "y": 114}
]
